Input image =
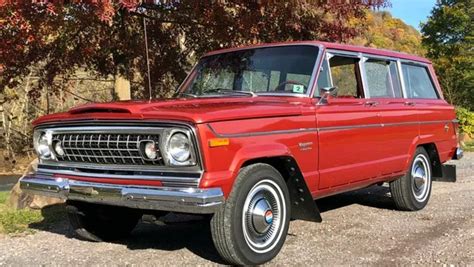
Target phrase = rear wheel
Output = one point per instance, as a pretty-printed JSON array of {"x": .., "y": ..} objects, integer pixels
[
  {"x": 412, "y": 191},
  {"x": 100, "y": 222},
  {"x": 252, "y": 226}
]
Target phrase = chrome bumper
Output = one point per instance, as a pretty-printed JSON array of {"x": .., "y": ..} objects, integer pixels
[
  {"x": 189, "y": 200},
  {"x": 459, "y": 153}
]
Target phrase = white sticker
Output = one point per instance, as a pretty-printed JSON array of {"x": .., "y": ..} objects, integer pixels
[{"x": 298, "y": 88}]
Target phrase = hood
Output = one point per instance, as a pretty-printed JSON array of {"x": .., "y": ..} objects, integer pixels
[{"x": 196, "y": 110}]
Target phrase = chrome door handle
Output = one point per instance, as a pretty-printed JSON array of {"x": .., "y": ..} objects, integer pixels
[{"x": 371, "y": 103}]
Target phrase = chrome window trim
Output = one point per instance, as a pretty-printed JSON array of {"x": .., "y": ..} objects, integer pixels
[
  {"x": 402, "y": 79},
  {"x": 331, "y": 53},
  {"x": 432, "y": 81}
]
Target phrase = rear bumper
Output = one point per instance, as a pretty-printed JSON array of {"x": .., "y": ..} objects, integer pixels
[
  {"x": 458, "y": 154},
  {"x": 188, "y": 200}
]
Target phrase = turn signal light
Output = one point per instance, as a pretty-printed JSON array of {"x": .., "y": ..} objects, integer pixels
[{"x": 215, "y": 142}]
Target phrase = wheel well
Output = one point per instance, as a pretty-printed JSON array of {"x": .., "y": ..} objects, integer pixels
[
  {"x": 282, "y": 164},
  {"x": 434, "y": 159},
  {"x": 303, "y": 206}
]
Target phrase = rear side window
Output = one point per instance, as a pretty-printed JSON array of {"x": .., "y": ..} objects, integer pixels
[
  {"x": 382, "y": 79},
  {"x": 418, "y": 82}
]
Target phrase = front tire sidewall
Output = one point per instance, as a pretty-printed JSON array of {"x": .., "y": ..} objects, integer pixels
[{"x": 234, "y": 211}]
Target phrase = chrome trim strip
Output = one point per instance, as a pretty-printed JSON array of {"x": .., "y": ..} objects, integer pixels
[
  {"x": 262, "y": 133},
  {"x": 321, "y": 129},
  {"x": 190, "y": 200},
  {"x": 189, "y": 181}
]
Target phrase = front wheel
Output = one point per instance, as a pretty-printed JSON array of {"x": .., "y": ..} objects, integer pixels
[
  {"x": 412, "y": 191},
  {"x": 252, "y": 226}
]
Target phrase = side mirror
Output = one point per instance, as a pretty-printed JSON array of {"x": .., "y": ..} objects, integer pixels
[{"x": 326, "y": 93}]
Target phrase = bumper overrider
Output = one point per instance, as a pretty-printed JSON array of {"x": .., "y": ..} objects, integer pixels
[{"x": 187, "y": 200}]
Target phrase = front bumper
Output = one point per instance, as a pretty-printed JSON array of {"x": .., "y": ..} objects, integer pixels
[{"x": 188, "y": 200}]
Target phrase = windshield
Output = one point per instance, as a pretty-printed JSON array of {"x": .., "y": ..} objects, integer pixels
[{"x": 269, "y": 70}]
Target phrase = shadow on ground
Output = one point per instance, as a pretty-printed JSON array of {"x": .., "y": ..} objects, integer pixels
[{"x": 195, "y": 235}]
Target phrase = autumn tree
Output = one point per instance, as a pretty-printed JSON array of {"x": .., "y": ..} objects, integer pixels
[
  {"x": 107, "y": 38},
  {"x": 448, "y": 36},
  {"x": 380, "y": 29}
]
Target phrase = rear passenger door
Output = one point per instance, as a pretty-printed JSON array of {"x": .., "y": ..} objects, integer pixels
[{"x": 399, "y": 118}]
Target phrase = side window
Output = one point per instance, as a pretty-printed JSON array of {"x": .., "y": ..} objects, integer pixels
[
  {"x": 324, "y": 80},
  {"x": 418, "y": 82},
  {"x": 382, "y": 78},
  {"x": 345, "y": 76}
]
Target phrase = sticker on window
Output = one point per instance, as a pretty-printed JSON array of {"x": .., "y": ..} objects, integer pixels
[{"x": 298, "y": 88}]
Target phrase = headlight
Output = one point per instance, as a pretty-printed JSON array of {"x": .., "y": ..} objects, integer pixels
[
  {"x": 40, "y": 142},
  {"x": 179, "y": 147}
]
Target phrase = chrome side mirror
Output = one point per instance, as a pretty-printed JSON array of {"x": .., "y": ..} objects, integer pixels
[{"x": 326, "y": 93}]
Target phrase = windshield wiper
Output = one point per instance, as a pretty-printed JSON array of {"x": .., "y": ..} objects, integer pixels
[{"x": 229, "y": 91}]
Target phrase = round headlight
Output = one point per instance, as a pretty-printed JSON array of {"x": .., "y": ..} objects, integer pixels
[
  {"x": 150, "y": 149},
  {"x": 179, "y": 147},
  {"x": 58, "y": 148},
  {"x": 41, "y": 146}
]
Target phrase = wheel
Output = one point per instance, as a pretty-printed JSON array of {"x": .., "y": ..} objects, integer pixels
[
  {"x": 100, "y": 222},
  {"x": 251, "y": 227},
  {"x": 412, "y": 191}
]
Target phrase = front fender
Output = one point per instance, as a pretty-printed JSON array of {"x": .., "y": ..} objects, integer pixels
[{"x": 254, "y": 151}]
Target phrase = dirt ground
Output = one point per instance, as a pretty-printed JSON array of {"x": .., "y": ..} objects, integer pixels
[{"x": 358, "y": 228}]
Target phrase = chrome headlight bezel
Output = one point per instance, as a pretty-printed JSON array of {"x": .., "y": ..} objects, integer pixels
[
  {"x": 172, "y": 159},
  {"x": 42, "y": 144}
]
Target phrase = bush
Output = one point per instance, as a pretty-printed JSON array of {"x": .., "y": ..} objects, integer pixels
[{"x": 466, "y": 121}]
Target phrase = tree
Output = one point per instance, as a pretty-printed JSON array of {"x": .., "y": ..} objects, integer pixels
[
  {"x": 449, "y": 40},
  {"x": 106, "y": 37},
  {"x": 381, "y": 30}
]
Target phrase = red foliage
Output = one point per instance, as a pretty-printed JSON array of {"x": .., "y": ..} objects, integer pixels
[{"x": 57, "y": 37}]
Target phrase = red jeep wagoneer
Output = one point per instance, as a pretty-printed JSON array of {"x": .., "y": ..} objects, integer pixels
[{"x": 251, "y": 138}]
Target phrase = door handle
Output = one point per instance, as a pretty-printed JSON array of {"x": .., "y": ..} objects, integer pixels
[
  {"x": 371, "y": 103},
  {"x": 409, "y": 103}
]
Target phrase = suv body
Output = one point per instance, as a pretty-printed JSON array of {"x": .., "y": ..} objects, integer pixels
[{"x": 253, "y": 135}]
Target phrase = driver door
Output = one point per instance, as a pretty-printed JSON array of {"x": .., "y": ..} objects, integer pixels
[{"x": 347, "y": 126}]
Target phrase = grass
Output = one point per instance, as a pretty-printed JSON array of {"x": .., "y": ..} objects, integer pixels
[
  {"x": 16, "y": 221},
  {"x": 469, "y": 146}
]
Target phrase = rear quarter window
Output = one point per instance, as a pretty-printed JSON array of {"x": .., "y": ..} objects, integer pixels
[{"x": 418, "y": 82}]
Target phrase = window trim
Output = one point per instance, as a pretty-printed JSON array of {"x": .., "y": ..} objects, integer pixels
[
  {"x": 331, "y": 53},
  {"x": 399, "y": 75},
  {"x": 427, "y": 69}
]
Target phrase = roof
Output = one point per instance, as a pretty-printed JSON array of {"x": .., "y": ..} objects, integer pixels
[{"x": 336, "y": 46}]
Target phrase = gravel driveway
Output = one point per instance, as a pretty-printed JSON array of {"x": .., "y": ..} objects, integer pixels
[{"x": 360, "y": 227}]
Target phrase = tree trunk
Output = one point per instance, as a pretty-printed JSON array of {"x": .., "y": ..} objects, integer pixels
[{"x": 122, "y": 88}]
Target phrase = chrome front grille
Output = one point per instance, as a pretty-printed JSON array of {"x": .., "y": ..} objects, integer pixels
[{"x": 106, "y": 148}]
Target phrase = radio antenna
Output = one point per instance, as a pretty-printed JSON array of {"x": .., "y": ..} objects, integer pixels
[{"x": 147, "y": 59}]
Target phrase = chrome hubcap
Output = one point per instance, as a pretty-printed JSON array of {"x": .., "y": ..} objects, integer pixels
[
  {"x": 263, "y": 216},
  {"x": 420, "y": 173}
]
